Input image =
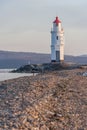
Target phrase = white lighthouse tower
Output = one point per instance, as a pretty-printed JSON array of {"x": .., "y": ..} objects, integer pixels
[{"x": 57, "y": 42}]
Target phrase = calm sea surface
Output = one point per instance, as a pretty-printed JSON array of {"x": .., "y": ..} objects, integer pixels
[{"x": 5, "y": 75}]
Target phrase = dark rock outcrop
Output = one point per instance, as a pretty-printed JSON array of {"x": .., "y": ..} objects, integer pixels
[{"x": 36, "y": 68}]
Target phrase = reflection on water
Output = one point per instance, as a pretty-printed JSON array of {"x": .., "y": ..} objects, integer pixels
[{"x": 5, "y": 75}]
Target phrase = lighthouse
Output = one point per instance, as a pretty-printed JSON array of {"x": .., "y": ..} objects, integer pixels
[{"x": 57, "y": 41}]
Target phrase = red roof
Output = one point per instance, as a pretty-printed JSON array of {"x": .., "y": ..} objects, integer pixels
[{"x": 57, "y": 21}]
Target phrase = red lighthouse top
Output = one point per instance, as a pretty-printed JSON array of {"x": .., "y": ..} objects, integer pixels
[{"x": 57, "y": 21}]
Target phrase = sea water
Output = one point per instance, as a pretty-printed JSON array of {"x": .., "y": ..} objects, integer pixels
[{"x": 6, "y": 74}]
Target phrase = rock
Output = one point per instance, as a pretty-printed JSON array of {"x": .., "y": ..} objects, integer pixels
[
  {"x": 85, "y": 74},
  {"x": 44, "y": 127},
  {"x": 23, "y": 119},
  {"x": 41, "y": 68},
  {"x": 35, "y": 128}
]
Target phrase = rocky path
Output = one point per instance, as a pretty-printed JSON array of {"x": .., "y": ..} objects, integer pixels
[{"x": 51, "y": 101}]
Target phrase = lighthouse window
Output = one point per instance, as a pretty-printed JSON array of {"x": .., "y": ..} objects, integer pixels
[{"x": 57, "y": 37}]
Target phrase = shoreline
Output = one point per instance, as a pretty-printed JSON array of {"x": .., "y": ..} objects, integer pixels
[{"x": 9, "y": 75}]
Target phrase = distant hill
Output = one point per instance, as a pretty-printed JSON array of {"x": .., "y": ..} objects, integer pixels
[
  {"x": 10, "y": 59},
  {"x": 83, "y": 55}
]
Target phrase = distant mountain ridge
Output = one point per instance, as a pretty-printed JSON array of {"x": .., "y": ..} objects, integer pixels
[
  {"x": 83, "y": 55},
  {"x": 9, "y": 59}
]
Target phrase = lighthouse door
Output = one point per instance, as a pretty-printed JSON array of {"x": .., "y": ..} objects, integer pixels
[{"x": 57, "y": 56}]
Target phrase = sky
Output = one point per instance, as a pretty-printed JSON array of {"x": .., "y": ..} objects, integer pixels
[{"x": 25, "y": 25}]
